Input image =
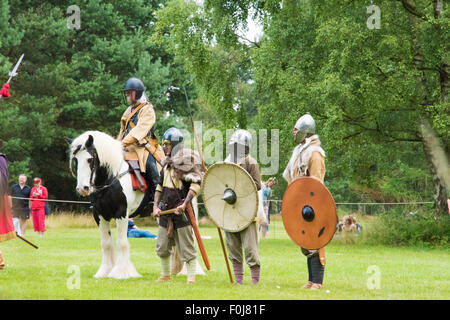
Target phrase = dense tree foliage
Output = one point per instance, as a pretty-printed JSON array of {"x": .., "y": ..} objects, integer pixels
[
  {"x": 368, "y": 88},
  {"x": 71, "y": 79}
]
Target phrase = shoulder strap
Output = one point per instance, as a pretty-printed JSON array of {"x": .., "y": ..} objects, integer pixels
[
  {"x": 174, "y": 185},
  {"x": 139, "y": 107}
]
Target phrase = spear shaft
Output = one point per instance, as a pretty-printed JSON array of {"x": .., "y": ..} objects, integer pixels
[
  {"x": 199, "y": 149},
  {"x": 31, "y": 244}
]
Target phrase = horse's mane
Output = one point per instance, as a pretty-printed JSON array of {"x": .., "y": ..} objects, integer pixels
[{"x": 109, "y": 150}]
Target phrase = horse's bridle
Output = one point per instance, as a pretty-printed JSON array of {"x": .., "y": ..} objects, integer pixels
[
  {"x": 116, "y": 178},
  {"x": 94, "y": 164}
]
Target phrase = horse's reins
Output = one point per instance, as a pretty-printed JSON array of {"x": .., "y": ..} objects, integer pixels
[{"x": 109, "y": 185}]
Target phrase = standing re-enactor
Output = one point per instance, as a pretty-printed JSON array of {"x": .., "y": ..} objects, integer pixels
[
  {"x": 136, "y": 132},
  {"x": 179, "y": 182},
  {"x": 240, "y": 143},
  {"x": 6, "y": 223},
  {"x": 308, "y": 159}
]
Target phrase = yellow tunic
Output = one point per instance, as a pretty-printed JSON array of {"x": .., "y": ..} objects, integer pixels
[{"x": 146, "y": 121}]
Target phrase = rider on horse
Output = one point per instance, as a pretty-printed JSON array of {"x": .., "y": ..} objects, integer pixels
[{"x": 137, "y": 134}]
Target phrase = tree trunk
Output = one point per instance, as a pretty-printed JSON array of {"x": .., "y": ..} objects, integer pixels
[
  {"x": 439, "y": 166},
  {"x": 436, "y": 157}
]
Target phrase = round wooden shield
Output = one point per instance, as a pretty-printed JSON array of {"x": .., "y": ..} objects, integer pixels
[
  {"x": 309, "y": 213},
  {"x": 230, "y": 196}
]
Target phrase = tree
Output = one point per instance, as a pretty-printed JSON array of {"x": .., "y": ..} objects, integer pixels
[
  {"x": 367, "y": 88},
  {"x": 71, "y": 78},
  {"x": 219, "y": 65}
]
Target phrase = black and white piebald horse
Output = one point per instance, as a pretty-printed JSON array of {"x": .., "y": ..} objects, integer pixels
[{"x": 103, "y": 175}]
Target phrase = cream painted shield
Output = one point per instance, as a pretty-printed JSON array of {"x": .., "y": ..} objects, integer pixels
[{"x": 230, "y": 217}]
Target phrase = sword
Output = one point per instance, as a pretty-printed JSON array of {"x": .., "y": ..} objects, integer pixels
[{"x": 14, "y": 73}]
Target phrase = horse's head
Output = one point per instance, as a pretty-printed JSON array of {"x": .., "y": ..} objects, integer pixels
[
  {"x": 95, "y": 156},
  {"x": 84, "y": 159}
]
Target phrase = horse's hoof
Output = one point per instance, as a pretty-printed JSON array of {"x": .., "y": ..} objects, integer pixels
[
  {"x": 123, "y": 273},
  {"x": 102, "y": 272},
  {"x": 100, "y": 275}
]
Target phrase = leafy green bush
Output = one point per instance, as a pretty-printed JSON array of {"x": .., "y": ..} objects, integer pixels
[
  {"x": 397, "y": 227},
  {"x": 407, "y": 183}
]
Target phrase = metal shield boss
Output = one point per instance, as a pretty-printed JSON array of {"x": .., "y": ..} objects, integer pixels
[
  {"x": 309, "y": 213},
  {"x": 230, "y": 196}
]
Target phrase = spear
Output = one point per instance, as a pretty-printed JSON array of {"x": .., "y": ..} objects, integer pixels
[{"x": 205, "y": 169}]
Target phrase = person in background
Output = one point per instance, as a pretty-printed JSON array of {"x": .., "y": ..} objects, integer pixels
[
  {"x": 20, "y": 208},
  {"x": 349, "y": 224},
  {"x": 267, "y": 192},
  {"x": 38, "y": 193},
  {"x": 135, "y": 232}
]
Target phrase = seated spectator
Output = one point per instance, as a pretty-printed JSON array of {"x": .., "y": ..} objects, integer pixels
[
  {"x": 348, "y": 224},
  {"x": 135, "y": 232}
]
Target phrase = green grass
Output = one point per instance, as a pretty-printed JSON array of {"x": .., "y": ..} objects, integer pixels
[{"x": 406, "y": 272}]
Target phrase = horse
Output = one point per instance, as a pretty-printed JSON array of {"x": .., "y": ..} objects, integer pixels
[{"x": 103, "y": 175}]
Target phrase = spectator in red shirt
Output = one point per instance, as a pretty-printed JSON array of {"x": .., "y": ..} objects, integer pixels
[{"x": 37, "y": 206}]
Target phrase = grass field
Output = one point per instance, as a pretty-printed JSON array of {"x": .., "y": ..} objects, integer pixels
[{"x": 350, "y": 273}]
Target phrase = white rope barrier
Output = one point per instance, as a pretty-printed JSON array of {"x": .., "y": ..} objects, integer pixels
[
  {"x": 52, "y": 200},
  {"x": 338, "y": 203},
  {"x": 376, "y": 203},
  {"x": 370, "y": 203}
]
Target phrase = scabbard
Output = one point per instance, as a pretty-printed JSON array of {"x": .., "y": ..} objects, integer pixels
[
  {"x": 152, "y": 150},
  {"x": 148, "y": 146},
  {"x": 198, "y": 236}
]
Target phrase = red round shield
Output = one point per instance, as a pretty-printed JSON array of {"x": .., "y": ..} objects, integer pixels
[{"x": 309, "y": 213}]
